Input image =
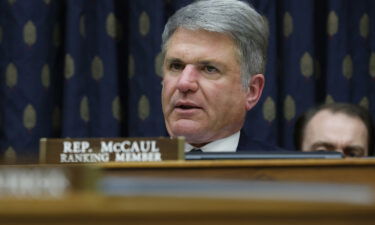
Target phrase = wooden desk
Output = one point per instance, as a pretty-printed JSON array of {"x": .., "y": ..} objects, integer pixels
[
  {"x": 179, "y": 211},
  {"x": 96, "y": 209},
  {"x": 350, "y": 170}
]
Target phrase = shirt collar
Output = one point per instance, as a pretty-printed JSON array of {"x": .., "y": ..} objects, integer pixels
[{"x": 228, "y": 144}]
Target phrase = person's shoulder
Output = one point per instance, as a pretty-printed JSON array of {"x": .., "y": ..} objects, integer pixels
[{"x": 249, "y": 144}]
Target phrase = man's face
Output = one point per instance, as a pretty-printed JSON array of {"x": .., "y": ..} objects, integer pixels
[
  {"x": 336, "y": 132},
  {"x": 203, "y": 98}
]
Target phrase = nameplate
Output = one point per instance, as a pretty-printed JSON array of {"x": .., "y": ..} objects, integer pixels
[
  {"x": 103, "y": 150},
  {"x": 46, "y": 182}
]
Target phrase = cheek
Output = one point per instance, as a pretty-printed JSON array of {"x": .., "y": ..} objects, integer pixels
[
  {"x": 236, "y": 97},
  {"x": 167, "y": 93},
  {"x": 167, "y": 88},
  {"x": 229, "y": 100}
]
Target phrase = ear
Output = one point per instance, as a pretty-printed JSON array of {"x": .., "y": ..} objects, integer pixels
[{"x": 254, "y": 91}]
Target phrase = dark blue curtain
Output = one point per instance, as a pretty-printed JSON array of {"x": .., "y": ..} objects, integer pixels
[{"x": 91, "y": 68}]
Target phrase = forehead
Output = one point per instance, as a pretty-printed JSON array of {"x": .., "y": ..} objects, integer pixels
[
  {"x": 193, "y": 43},
  {"x": 336, "y": 128}
]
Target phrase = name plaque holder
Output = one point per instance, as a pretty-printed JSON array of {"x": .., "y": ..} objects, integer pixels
[
  {"x": 103, "y": 150},
  {"x": 47, "y": 181}
]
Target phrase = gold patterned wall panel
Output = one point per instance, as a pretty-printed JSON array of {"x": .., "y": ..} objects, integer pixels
[
  {"x": 69, "y": 66},
  {"x": 143, "y": 108},
  {"x": 289, "y": 108},
  {"x": 307, "y": 65},
  {"x": 131, "y": 66},
  {"x": 97, "y": 68},
  {"x": 364, "y": 26},
  {"x": 329, "y": 99},
  {"x": 84, "y": 109},
  {"x": 119, "y": 31},
  {"x": 29, "y": 117},
  {"x": 56, "y": 118},
  {"x": 372, "y": 65},
  {"x": 116, "y": 109},
  {"x": 318, "y": 69},
  {"x": 56, "y": 35},
  {"x": 11, "y": 75},
  {"x": 287, "y": 24},
  {"x": 10, "y": 156},
  {"x": 269, "y": 109},
  {"x": 332, "y": 23},
  {"x": 82, "y": 28},
  {"x": 11, "y": 2},
  {"x": 113, "y": 27},
  {"x": 347, "y": 67},
  {"x": 159, "y": 64},
  {"x": 29, "y": 33},
  {"x": 45, "y": 76},
  {"x": 364, "y": 103},
  {"x": 144, "y": 24}
]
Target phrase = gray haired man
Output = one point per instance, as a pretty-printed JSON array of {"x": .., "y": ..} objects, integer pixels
[{"x": 214, "y": 61}]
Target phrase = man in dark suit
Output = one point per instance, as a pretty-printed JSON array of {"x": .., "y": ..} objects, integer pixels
[
  {"x": 214, "y": 59},
  {"x": 341, "y": 127}
]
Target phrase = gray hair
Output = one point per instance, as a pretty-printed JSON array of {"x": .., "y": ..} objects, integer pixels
[{"x": 247, "y": 28}]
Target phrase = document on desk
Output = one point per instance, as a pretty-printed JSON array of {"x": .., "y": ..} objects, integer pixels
[
  {"x": 38, "y": 182},
  {"x": 238, "y": 189},
  {"x": 264, "y": 155}
]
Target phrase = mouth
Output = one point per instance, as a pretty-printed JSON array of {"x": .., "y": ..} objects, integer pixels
[{"x": 186, "y": 106}]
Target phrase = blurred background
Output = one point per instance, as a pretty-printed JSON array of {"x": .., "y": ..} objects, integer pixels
[{"x": 92, "y": 68}]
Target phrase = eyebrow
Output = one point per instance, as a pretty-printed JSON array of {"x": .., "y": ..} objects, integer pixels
[
  {"x": 318, "y": 144},
  {"x": 330, "y": 146},
  {"x": 170, "y": 60},
  {"x": 202, "y": 62}
]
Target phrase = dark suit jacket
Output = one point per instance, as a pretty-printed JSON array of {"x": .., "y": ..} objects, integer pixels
[{"x": 248, "y": 144}]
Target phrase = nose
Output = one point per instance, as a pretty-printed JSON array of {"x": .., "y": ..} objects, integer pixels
[{"x": 188, "y": 79}]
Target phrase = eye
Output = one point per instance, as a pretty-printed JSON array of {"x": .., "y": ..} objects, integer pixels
[
  {"x": 176, "y": 66},
  {"x": 354, "y": 152},
  {"x": 210, "y": 69},
  {"x": 351, "y": 154}
]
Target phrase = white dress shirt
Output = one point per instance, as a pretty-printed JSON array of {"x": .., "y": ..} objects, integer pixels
[{"x": 228, "y": 144}]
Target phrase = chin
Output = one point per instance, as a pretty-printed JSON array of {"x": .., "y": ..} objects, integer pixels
[{"x": 190, "y": 130}]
